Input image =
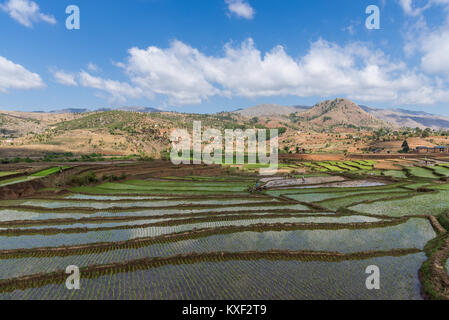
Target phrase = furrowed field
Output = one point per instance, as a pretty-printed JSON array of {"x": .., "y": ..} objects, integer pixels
[{"x": 158, "y": 231}]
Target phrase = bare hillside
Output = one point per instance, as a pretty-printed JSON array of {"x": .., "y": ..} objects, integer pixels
[{"x": 340, "y": 112}]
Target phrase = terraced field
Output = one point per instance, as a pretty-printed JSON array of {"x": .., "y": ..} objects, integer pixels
[
  {"x": 339, "y": 166},
  {"x": 6, "y": 173},
  {"x": 25, "y": 178},
  {"x": 215, "y": 237}
]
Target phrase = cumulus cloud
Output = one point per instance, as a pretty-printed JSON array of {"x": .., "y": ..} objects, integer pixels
[
  {"x": 185, "y": 75},
  {"x": 179, "y": 72},
  {"x": 240, "y": 8},
  {"x": 65, "y": 78},
  {"x": 119, "y": 91},
  {"x": 26, "y": 12},
  {"x": 435, "y": 46},
  {"x": 431, "y": 43},
  {"x": 15, "y": 76}
]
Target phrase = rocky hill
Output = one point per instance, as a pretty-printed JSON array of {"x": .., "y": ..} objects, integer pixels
[
  {"x": 346, "y": 112},
  {"x": 340, "y": 112}
]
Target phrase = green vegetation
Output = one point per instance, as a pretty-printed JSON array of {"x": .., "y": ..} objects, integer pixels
[
  {"x": 421, "y": 172},
  {"x": 395, "y": 174},
  {"x": 6, "y": 173},
  {"x": 196, "y": 227},
  {"x": 50, "y": 171},
  {"x": 339, "y": 166},
  {"x": 430, "y": 203},
  {"x": 8, "y": 182},
  {"x": 440, "y": 170}
]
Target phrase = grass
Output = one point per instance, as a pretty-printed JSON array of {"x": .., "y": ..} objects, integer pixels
[
  {"x": 421, "y": 204},
  {"x": 165, "y": 187},
  {"x": 395, "y": 174},
  {"x": 339, "y": 166},
  {"x": 320, "y": 196},
  {"x": 440, "y": 187},
  {"x": 335, "y": 204},
  {"x": 421, "y": 172},
  {"x": 362, "y": 165},
  {"x": 386, "y": 188},
  {"x": 50, "y": 171},
  {"x": 214, "y": 179},
  {"x": 6, "y": 173},
  {"x": 16, "y": 180},
  {"x": 330, "y": 167},
  {"x": 440, "y": 170}
]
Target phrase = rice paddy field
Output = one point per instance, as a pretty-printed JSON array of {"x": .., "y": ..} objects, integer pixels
[{"x": 217, "y": 237}]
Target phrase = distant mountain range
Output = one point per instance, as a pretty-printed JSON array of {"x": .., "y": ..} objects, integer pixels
[
  {"x": 407, "y": 118},
  {"x": 266, "y": 110},
  {"x": 130, "y": 109},
  {"x": 345, "y": 112},
  {"x": 325, "y": 114}
]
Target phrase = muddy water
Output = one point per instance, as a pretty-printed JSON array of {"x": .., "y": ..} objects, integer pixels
[
  {"x": 410, "y": 235},
  {"x": 247, "y": 280},
  {"x": 280, "y": 182},
  {"x": 35, "y": 241}
]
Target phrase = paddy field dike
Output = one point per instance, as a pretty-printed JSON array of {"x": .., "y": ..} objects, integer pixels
[{"x": 153, "y": 230}]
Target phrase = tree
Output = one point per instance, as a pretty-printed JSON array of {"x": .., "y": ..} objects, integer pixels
[
  {"x": 426, "y": 133},
  {"x": 282, "y": 130},
  {"x": 405, "y": 147}
]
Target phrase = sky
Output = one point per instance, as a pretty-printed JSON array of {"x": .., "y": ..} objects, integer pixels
[{"x": 209, "y": 56}]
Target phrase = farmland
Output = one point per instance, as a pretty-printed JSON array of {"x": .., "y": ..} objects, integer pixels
[{"x": 158, "y": 231}]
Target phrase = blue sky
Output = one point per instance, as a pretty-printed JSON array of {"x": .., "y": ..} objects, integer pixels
[{"x": 215, "y": 55}]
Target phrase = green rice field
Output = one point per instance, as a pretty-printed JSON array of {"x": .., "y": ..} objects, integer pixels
[
  {"x": 196, "y": 237},
  {"x": 6, "y": 173}
]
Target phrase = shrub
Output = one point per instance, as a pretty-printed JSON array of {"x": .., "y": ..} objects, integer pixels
[{"x": 84, "y": 179}]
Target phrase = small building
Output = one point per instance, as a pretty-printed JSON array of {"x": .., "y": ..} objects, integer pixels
[
  {"x": 438, "y": 149},
  {"x": 441, "y": 149},
  {"x": 424, "y": 150}
]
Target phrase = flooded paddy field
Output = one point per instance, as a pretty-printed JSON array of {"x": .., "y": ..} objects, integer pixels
[
  {"x": 224, "y": 236},
  {"x": 241, "y": 279}
]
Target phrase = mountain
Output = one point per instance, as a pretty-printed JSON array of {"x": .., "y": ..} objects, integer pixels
[
  {"x": 340, "y": 112},
  {"x": 407, "y": 118},
  {"x": 75, "y": 110},
  {"x": 267, "y": 110},
  {"x": 69, "y": 110},
  {"x": 131, "y": 109}
]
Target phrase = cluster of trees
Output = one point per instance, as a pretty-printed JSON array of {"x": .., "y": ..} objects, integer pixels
[{"x": 389, "y": 134}]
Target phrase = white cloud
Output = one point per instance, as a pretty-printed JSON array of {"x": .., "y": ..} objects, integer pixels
[
  {"x": 184, "y": 75},
  {"x": 431, "y": 43},
  {"x": 14, "y": 76},
  {"x": 240, "y": 8},
  {"x": 177, "y": 72},
  {"x": 415, "y": 8},
  {"x": 119, "y": 91},
  {"x": 26, "y": 12},
  {"x": 435, "y": 47},
  {"x": 410, "y": 9},
  {"x": 64, "y": 78}
]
